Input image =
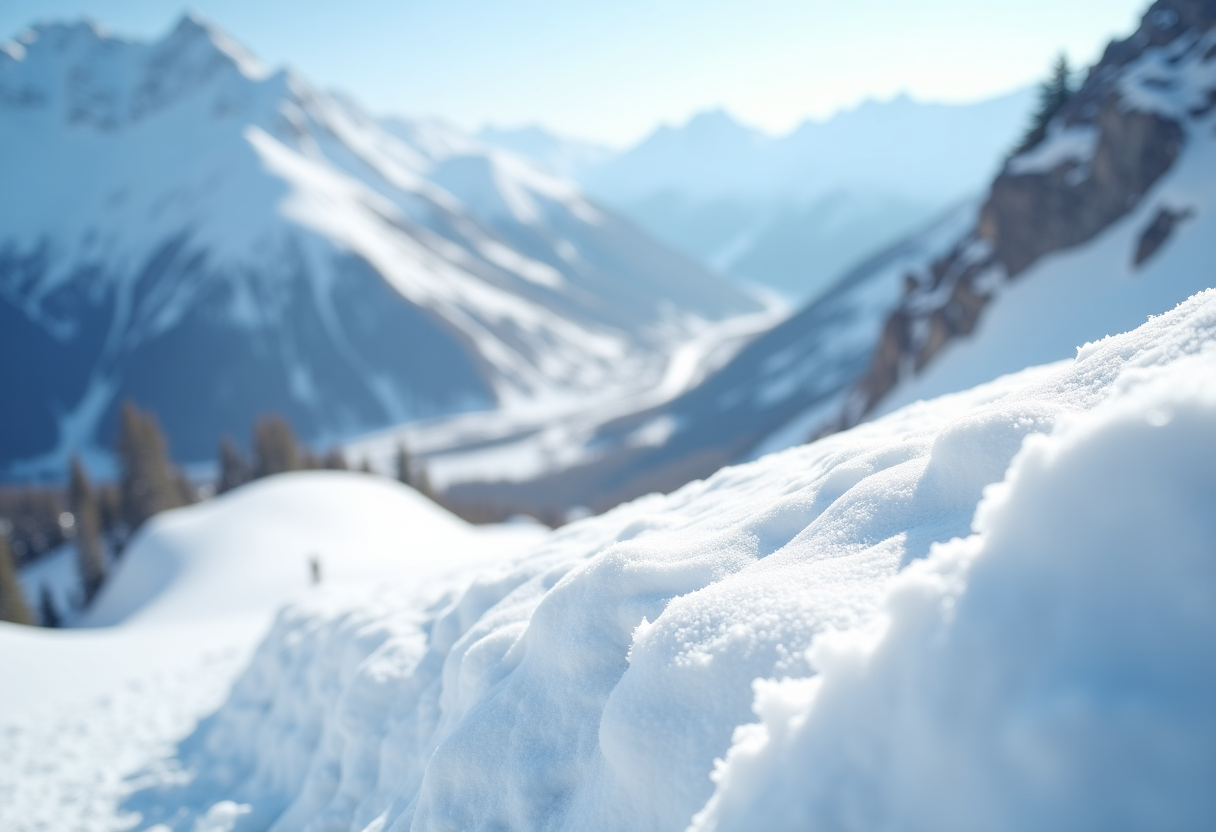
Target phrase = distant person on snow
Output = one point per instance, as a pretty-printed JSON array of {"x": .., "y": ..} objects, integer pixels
[{"x": 314, "y": 566}]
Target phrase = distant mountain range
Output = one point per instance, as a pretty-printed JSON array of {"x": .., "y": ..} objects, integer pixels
[
  {"x": 1111, "y": 218},
  {"x": 216, "y": 241},
  {"x": 791, "y": 214}
]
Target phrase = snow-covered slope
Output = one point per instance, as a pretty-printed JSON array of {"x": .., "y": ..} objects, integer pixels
[
  {"x": 793, "y": 213},
  {"x": 921, "y": 649},
  {"x": 215, "y": 241}
]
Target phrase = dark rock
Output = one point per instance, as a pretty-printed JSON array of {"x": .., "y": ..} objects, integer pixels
[{"x": 1157, "y": 232}]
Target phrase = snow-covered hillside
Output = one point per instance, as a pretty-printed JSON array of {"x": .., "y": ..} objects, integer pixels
[
  {"x": 793, "y": 213},
  {"x": 215, "y": 241},
  {"x": 994, "y": 610}
]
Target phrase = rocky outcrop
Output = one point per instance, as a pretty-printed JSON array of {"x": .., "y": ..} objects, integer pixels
[
  {"x": 1104, "y": 150},
  {"x": 1032, "y": 214}
]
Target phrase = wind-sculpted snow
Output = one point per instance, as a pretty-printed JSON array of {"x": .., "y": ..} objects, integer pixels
[
  {"x": 1054, "y": 670},
  {"x": 1043, "y": 662}
]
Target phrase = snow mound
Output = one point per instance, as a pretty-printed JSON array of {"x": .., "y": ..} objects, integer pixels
[
  {"x": 249, "y": 551},
  {"x": 1053, "y": 668}
]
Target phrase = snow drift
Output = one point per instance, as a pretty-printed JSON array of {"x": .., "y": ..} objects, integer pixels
[
  {"x": 1054, "y": 670},
  {"x": 1044, "y": 659}
]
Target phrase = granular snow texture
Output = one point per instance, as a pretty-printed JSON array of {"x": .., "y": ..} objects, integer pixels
[{"x": 1043, "y": 662}]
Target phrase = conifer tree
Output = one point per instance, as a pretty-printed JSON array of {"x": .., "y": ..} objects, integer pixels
[
  {"x": 1053, "y": 95},
  {"x": 405, "y": 473},
  {"x": 109, "y": 506},
  {"x": 90, "y": 553},
  {"x": 47, "y": 613},
  {"x": 149, "y": 485},
  {"x": 422, "y": 484},
  {"x": 334, "y": 460},
  {"x": 274, "y": 446},
  {"x": 13, "y": 606},
  {"x": 235, "y": 470},
  {"x": 187, "y": 494}
]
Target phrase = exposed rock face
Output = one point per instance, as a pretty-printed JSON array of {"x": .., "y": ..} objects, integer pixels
[
  {"x": 1030, "y": 215},
  {"x": 1105, "y": 149}
]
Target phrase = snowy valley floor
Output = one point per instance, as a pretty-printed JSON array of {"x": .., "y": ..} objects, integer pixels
[{"x": 995, "y": 610}]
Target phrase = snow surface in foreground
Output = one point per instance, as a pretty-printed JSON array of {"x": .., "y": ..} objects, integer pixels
[{"x": 923, "y": 651}]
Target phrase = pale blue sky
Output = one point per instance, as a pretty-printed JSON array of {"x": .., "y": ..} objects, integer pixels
[{"x": 612, "y": 71}]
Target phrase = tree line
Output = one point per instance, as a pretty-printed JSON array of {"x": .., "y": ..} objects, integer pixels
[{"x": 100, "y": 519}]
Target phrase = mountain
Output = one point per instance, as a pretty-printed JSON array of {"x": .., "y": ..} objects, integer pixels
[
  {"x": 570, "y": 158},
  {"x": 793, "y": 213},
  {"x": 1111, "y": 218},
  {"x": 213, "y": 240}
]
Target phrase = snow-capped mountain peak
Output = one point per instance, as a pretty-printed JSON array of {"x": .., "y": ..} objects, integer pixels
[
  {"x": 177, "y": 196},
  {"x": 90, "y": 77}
]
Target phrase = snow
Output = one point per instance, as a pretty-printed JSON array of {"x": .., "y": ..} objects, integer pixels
[
  {"x": 57, "y": 572},
  {"x": 1053, "y": 670},
  {"x": 1075, "y": 144},
  {"x": 989, "y": 610}
]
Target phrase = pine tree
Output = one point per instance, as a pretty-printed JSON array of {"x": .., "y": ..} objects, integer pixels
[
  {"x": 274, "y": 446},
  {"x": 1054, "y": 93},
  {"x": 334, "y": 460},
  {"x": 12, "y": 601},
  {"x": 149, "y": 484},
  {"x": 422, "y": 484},
  {"x": 405, "y": 473},
  {"x": 109, "y": 506},
  {"x": 48, "y": 614},
  {"x": 235, "y": 470},
  {"x": 90, "y": 553}
]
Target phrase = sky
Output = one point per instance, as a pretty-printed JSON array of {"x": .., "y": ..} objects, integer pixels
[{"x": 611, "y": 72}]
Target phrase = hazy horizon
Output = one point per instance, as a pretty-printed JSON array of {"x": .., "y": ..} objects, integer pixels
[{"x": 629, "y": 68}]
